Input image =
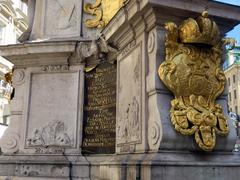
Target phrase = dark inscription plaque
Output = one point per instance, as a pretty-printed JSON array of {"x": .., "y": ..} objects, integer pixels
[{"x": 100, "y": 110}]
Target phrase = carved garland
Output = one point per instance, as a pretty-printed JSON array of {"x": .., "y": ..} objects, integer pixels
[
  {"x": 192, "y": 72},
  {"x": 103, "y": 10}
]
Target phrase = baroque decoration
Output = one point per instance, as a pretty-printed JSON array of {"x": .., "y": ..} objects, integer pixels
[
  {"x": 192, "y": 72},
  {"x": 129, "y": 128},
  {"x": 103, "y": 10},
  {"x": 51, "y": 135}
]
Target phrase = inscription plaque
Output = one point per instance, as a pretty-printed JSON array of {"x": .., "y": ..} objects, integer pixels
[{"x": 99, "y": 133}]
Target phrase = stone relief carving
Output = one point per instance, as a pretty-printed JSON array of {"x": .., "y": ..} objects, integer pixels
[
  {"x": 129, "y": 120},
  {"x": 103, "y": 10},
  {"x": 192, "y": 72},
  {"x": 49, "y": 150},
  {"x": 128, "y": 129},
  {"x": 151, "y": 42},
  {"x": 66, "y": 17},
  {"x": 39, "y": 171},
  {"x": 51, "y": 135},
  {"x": 10, "y": 142},
  {"x": 128, "y": 48},
  {"x": 92, "y": 54},
  {"x": 154, "y": 133},
  {"x": 53, "y": 68},
  {"x": 61, "y": 18},
  {"x": 18, "y": 77},
  {"x": 26, "y": 170},
  {"x": 137, "y": 71}
]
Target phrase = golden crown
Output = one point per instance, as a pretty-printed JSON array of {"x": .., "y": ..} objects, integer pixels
[{"x": 201, "y": 31}]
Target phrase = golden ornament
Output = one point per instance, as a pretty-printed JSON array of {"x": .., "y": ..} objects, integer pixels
[
  {"x": 192, "y": 72},
  {"x": 103, "y": 10}
]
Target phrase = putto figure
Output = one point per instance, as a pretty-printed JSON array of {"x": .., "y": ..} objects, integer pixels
[{"x": 192, "y": 72}]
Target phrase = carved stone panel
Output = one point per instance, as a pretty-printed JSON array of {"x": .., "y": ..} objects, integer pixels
[
  {"x": 100, "y": 110},
  {"x": 129, "y": 122},
  {"x": 52, "y": 117},
  {"x": 62, "y": 18}
]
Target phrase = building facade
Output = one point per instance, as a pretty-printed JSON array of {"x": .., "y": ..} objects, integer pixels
[
  {"x": 13, "y": 22},
  {"x": 232, "y": 72}
]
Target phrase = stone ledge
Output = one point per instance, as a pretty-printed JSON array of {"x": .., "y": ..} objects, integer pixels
[
  {"x": 46, "y": 167},
  {"x": 39, "y": 53},
  {"x": 171, "y": 166}
]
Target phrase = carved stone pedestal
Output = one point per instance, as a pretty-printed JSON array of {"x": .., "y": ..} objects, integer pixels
[
  {"x": 147, "y": 145},
  {"x": 42, "y": 167},
  {"x": 44, "y": 137},
  {"x": 62, "y": 116},
  {"x": 143, "y": 101},
  {"x": 169, "y": 165}
]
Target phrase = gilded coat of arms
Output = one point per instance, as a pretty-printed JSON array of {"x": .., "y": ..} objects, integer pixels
[
  {"x": 103, "y": 10},
  {"x": 192, "y": 72}
]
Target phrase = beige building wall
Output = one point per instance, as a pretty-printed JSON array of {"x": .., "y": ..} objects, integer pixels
[
  {"x": 233, "y": 82},
  {"x": 13, "y": 22}
]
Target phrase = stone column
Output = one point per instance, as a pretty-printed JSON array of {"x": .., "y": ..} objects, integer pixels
[{"x": 47, "y": 110}]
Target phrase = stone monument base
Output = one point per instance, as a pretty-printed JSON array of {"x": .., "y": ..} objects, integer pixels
[
  {"x": 166, "y": 165},
  {"x": 171, "y": 166},
  {"x": 43, "y": 167}
]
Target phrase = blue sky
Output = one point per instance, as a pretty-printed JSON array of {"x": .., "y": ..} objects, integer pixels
[{"x": 235, "y": 33}]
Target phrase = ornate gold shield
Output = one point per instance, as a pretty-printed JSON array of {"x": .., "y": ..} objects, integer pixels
[
  {"x": 192, "y": 72},
  {"x": 103, "y": 10}
]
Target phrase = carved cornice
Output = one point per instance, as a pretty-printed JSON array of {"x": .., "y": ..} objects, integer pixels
[
  {"x": 39, "y": 53},
  {"x": 146, "y": 14}
]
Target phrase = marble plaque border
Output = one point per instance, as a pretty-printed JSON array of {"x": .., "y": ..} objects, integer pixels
[
  {"x": 134, "y": 47},
  {"x": 79, "y": 114}
]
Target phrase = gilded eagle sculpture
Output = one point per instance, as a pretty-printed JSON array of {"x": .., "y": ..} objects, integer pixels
[
  {"x": 192, "y": 72},
  {"x": 103, "y": 10}
]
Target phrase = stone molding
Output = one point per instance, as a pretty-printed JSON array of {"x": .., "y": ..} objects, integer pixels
[
  {"x": 143, "y": 15},
  {"x": 31, "y": 54}
]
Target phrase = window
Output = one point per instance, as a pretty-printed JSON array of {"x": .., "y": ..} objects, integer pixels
[
  {"x": 234, "y": 78},
  {"x": 235, "y": 94},
  {"x": 236, "y": 109},
  {"x": 230, "y": 97},
  {"x": 229, "y": 82}
]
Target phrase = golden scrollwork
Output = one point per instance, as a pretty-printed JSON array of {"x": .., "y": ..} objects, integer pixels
[
  {"x": 103, "y": 10},
  {"x": 192, "y": 72}
]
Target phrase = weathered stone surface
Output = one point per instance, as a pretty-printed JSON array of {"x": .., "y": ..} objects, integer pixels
[
  {"x": 130, "y": 130},
  {"x": 44, "y": 167},
  {"x": 47, "y": 109},
  {"x": 58, "y": 19},
  {"x": 167, "y": 165}
]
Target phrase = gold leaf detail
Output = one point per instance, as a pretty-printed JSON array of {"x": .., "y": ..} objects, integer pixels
[
  {"x": 192, "y": 72},
  {"x": 103, "y": 10}
]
